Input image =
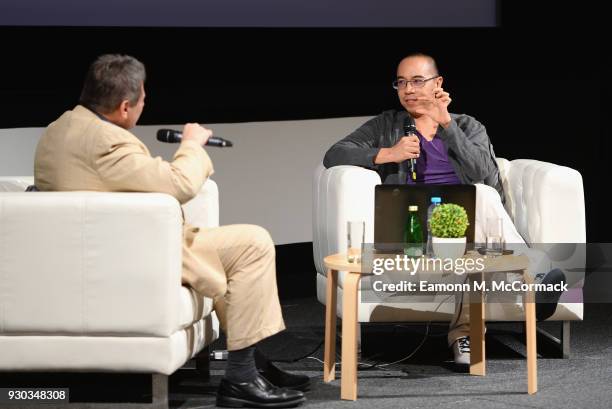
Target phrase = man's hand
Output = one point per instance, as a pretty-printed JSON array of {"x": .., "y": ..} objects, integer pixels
[
  {"x": 406, "y": 148},
  {"x": 436, "y": 107},
  {"x": 195, "y": 132}
]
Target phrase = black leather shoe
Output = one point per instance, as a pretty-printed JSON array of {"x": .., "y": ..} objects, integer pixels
[
  {"x": 257, "y": 394},
  {"x": 284, "y": 379},
  {"x": 546, "y": 301}
]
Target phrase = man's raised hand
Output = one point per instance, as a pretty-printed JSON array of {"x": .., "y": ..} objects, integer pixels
[
  {"x": 436, "y": 106},
  {"x": 196, "y": 132}
]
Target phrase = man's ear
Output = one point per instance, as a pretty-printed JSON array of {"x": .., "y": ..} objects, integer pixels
[
  {"x": 439, "y": 81},
  {"x": 123, "y": 108}
]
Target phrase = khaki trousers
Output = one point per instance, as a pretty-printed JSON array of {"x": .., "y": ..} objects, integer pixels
[{"x": 244, "y": 288}]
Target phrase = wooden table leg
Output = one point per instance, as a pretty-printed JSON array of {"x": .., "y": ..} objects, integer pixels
[
  {"x": 532, "y": 350},
  {"x": 477, "y": 331},
  {"x": 348, "y": 386},
  {"x": 329, "y": 366}
]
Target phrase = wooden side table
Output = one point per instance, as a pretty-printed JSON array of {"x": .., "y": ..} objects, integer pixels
[
  {"x": 335, "y": 263},
  {"x": 477, "y": 317},
  {"x": 348, "y": 386}
]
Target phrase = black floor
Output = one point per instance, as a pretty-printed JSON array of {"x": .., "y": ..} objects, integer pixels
[{"x": 426, "y": 380}]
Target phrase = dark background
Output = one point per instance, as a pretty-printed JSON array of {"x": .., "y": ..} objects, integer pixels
[
  {"x": 249, "y": 13},
  {"x": 536, "y": 81}
]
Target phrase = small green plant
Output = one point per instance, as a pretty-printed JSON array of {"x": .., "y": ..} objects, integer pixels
[{"x": 449, "y": 221}]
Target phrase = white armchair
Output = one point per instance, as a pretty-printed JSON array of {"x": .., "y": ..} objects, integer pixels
[
  {"x": 91, "y": 281},
  {"x": 538, "y": 196}
]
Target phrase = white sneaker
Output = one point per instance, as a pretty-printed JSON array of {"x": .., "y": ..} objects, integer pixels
[{"x": 461, "y": 351}]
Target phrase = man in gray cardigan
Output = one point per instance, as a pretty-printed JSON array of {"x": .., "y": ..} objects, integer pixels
[
  {"x": 459, "y": 144},
  {"x": 448, "y": 148}
]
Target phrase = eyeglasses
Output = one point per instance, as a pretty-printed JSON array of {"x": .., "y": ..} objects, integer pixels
[{"x": 402, "y": 83}]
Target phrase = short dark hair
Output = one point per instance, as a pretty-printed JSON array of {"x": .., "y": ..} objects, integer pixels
[
  {"x": 112, "y": 78},
  {"x": 428, "y": 57}
]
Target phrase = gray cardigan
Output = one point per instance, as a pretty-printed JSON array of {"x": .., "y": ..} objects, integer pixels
[{"x": 468, "y": 146}]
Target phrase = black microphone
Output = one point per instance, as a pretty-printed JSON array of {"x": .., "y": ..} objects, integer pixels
[
  {"x": 410, "y": 129},
  {"x": 172, "y": 136}
]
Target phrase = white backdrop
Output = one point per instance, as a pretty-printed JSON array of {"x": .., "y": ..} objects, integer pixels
[{"x": 265, "y": 179}]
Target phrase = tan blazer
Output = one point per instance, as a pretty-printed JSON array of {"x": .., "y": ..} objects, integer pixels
[{"x": 80, "y": 151}]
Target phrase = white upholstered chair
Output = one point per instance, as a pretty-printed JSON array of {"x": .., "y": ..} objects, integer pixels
[
  {"x": 545, "y": 201},
  {"x": 91, "y": 282}
]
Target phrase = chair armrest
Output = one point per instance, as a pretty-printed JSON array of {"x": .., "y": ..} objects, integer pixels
[
  {"x": 203, "y": 210},
  {"x": 340, "y": 194},
  {"x": 90, "y": 263},
  {"x": 545, "y": 201},
  {"x": 15, "y": 183}
]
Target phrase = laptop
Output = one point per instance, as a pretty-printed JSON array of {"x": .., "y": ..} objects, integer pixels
[{"x": 391, "y": 210}]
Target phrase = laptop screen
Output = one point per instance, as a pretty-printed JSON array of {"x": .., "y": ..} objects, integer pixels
[{"x": 392, "y": 201}]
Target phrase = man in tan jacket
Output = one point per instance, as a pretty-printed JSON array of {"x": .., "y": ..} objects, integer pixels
[{"x": 90, "y": 148}]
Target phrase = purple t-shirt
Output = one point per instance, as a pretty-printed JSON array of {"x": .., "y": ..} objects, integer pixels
[{"x": 433, "y": 165}]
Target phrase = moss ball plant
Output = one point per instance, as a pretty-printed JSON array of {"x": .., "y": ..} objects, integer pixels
[{"x": 449, "y": 221}]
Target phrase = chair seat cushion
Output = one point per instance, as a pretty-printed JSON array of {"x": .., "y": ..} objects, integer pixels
[{"x": 193, "y": 307}]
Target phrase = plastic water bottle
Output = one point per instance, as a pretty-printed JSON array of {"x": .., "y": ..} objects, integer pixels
[{"x": 435, "y": 201}]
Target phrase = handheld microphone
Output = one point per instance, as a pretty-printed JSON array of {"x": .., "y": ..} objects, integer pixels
[
  {"x": 410, "y": 129},
  {"x": 173, "y": 136}
]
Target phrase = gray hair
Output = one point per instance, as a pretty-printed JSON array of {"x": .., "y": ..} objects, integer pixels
[{"x": 112, "y": 78}]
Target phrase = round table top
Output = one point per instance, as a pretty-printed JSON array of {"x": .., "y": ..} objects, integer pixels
[{"x": 339, "y": 261}]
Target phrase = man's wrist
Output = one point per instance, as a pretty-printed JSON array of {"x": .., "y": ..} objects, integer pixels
[
  {"x": 446, "y": 122},
  {"x": 382, "y": 156}
]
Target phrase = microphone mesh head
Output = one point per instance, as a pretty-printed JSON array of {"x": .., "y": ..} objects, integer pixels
[
  {"x": 168, "y": 136},
  {"x": 409, "y": 126}
]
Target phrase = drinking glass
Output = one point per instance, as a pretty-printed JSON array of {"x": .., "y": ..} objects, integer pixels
[
  {"x": 355, "y": 237},
  {"x": 494, "y": 238}
]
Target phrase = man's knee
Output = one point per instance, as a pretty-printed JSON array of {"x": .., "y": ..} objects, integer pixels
[
  {"x": 487, "y": 192},
  {"x": 259, "y": 239},
  {"x": 259, "y": 253}
]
